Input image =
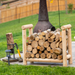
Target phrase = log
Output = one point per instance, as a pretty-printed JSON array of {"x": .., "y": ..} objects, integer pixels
[
  {"x": 43, "y": 56},
  {"x": 48, "y": 48},
  {"x": 32, "y": 55},
  {"x": 37, "y": 38},
  {"x": 60, "y": 57},
  {"x": 51, "y": 51},
  {"x": 48, "y": 30},
  {"x": 57, "y": 51},
  {"x": 27, "y": 55},
  {"x": 37, "y": 55},
  {"x": 40, "y": 52},
  {"x": 46, "y": 44},
  {"x": 44, "y": 38},
  {"x": 34, "y": 44},
  {"x": 41, "y": 42},
  {"x": 34, "y": 51},
  {"x": 50, "y": 40},
  {"x": 32, "y": 37},
  {"x": 50, "y": 34},
  {"x": 57, "y": 44},
  {"x": 60, "y": 45},
  {"x": 54, "y": 56},
  {"x": 26, "y": 43},
  {"x": 58, "y": 30},
  {"x": 45, "y": 52},
  {"x": 29, "y": 48},
  {"x": 53, "y": 36},
  {"x": 43, "y": 33},
  {"x": 10, "y": 40},
  {"x": 49, "y": 55},
  {"x": 38, "y": 47},
  {"x": 41, "y": 48},
  {"x": 53, "y": 45},
  {"x": 47, "y": 36},
  {"x": 40, "y": 37}
]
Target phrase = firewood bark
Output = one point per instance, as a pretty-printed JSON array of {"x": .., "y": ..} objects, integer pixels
[
  {"x": 46, "y": 44},
  {"x": 37, "y": 55},
  {"x": 32, "y": 55},
  {"x": 41, "y": 48},
  {"x": 28, "y": 55},
  {"x": 41, "y": 42},
  {"x": 49, "y": 55},
  {"x": 34, "y": 44},
  {"x": 53, "y": 45},
  {"x": 57, "y": 51},
  {"x": 60, "y": 57},
  {"x": 29, "y": 48},
  {"x": 10, "y": 40},
  {"x": 43, "y": 56},
  {"x": 54, "y": 56},
  {"x": 34, "y": 51}
]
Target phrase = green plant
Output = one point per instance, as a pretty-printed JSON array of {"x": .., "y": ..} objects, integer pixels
[{"x": 70, "y": 7}]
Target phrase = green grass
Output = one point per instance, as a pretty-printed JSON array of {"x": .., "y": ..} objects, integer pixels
[
  {"x": 15, "y": 27},
  {"x": 34, "y": 70}
]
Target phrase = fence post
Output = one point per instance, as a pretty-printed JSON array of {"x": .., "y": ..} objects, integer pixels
[{"x": 0, "y": 16}]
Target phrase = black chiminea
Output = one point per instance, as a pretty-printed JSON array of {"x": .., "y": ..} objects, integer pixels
[{"x": 43, "y": 22}]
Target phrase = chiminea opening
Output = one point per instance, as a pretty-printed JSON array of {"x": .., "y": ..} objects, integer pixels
[{"x": 43, "y": 22}]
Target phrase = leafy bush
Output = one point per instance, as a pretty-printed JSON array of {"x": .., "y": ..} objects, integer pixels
[{"x": 70, "y": 7}]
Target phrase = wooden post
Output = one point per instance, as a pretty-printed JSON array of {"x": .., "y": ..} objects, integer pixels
[
  {"x": 0, "y": 16},
  {"x": 69, "y": 45},
  {"x": 24, "y": 27},
  {"x": 64, "y": 47},
  {"x": 24, "y": 46}
]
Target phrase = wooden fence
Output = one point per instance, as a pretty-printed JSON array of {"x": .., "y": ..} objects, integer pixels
[{"x": 26, "y": 10}]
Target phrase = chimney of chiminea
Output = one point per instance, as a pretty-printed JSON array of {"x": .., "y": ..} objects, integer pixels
[{"x": 43, "y": 22}]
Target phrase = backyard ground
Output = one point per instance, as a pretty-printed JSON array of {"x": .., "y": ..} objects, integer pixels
[{"x": 15, "y": 28}]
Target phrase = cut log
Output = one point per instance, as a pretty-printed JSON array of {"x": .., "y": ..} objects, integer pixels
[
  {"x": 34, "y": 44},
  {"x": 40, "y": 52},
  {"x": 53, "y": 36},
  {"x": 34, "y": 51},
  {"x": 46, "y": 44},
  {"x": 41, "y": 48},
  {"x": 29, "y": 48},
  {"x": 45, "y": 52},
  {"x": 50, "y": 40},
  {"x": 60, "y": 57},
  {"x": 29, "y": 42},
  {"x": 10, "y": 41},
  {"x": 58, "y": 30},
  {"x": 38, "y": 47},
  {"x": 54, "y": 56},
  {"x": 43, "y": 33},
  {"x": 27, "y": 38},
  {"x": 57, "y": 51},
  {"x": 44, "y": 39},
  {"x": 47, "y": 36},
  {"x": 48, "y": 48},
  {"x": 26, "y": 43},
  {"x": 27, "y": 55},
  {"x": 43, "y": 56},
  {"x": 32, "y": 55},
  {"x": 60, "y": 45},
  {"x": 36, "y": 38},
  {"x": 40, "y": 37},
  {"x": 48, "y": 30},
  {"x": 41, "y": 42},
  {"x": 37, "y": 55},
  {"x": 57, "y": 44},
  {"x": 53, "y": 45},
  {"x": 49, "y": 55},
  {"x": 51, "y": 51},
  {"x": 50, "y": 34},
  {"x": 32, "y": 37}
]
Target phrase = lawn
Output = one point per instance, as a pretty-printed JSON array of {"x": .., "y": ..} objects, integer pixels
[
  {"x": 15, "y": 28},
  {"x": 34, "y": 70}
]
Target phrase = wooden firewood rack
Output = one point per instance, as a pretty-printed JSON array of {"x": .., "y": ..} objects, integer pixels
[{"x": 65, "y": 56}]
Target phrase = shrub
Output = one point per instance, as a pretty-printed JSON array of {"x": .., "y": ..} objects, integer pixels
[{"x": 70, "y": 7}]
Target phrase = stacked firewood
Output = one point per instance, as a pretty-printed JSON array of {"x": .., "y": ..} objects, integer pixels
[{"x": 46, "y": 44}]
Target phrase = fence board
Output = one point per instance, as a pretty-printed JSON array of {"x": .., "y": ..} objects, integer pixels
[{"x": 30, "y": 9}]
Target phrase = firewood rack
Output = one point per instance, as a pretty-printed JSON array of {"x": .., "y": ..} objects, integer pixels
[{"x": 65, "y": 56}]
